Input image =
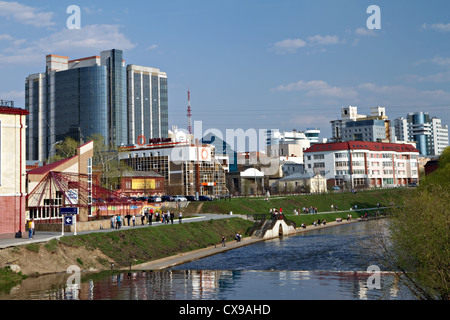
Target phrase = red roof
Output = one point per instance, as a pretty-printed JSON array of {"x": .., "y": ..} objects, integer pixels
[
  {"x": 49, "y": 167},
  {"x": 362, "y": 145},
  {"x": 10, "y": 110}
]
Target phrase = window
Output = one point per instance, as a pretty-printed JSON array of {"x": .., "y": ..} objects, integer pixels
[{"x": 319, "y": 165}]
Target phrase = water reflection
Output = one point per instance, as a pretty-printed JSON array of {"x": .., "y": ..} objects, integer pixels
[
  {"x": 322, "y": 264},
  {"x": 214, "y": 285}
]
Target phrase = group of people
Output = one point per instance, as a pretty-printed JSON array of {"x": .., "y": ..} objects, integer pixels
[
  {"x": 146, "y": 218},
  {"x": 274, "y": 212},
  {"x": 319, "y": 222}
]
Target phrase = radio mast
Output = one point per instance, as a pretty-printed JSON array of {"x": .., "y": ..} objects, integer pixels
[{"x": 189, "y": 114}]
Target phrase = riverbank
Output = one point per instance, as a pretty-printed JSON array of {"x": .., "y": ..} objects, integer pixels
[
  {"x": 182, "y": 258},
  {"x": 119, "y": 249}
]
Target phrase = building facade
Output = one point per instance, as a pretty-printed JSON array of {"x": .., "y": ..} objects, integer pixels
[
  {"x": 94, "y": 95},
  {"x": 429, "y": 134},
  {"x": 354, "y": 127},
  {"x": 147, "y": 104},
  {"x": 187, "y": 168},
  {"x": 12, "y": 170},
  {"x": 356, "y": 164}
]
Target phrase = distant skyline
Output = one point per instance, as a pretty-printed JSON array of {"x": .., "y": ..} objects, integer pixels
[{"x": 250, "y": 64}]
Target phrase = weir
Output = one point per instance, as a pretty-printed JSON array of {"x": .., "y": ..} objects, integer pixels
[{"x": 277, "y": 226}]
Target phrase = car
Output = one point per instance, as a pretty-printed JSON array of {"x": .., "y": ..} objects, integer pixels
[
  {"x": 190, "y": 198},
  {"x": 152, "y": 199},
  {"x": 167, "y": 198},
  {"x": 179, "y": 198},
  {"x": 143, "y": 199},
  {"x": 204, "y": 198}
]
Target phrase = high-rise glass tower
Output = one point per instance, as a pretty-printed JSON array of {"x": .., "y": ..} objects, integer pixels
[
  {"x": 147, "y": 104},
  {"x": 79, "y": 98}
]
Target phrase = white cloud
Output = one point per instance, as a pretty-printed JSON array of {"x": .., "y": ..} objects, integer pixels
[
  {"x": 25, "y": 14},
  {"x": 437, "y": 26},
  {"x": 291, "y": 45},
  {"x": 437, "y": 77},
  {"x": 365, "y": 32},
  {"x": 441, "y": 61},
  {"x": 402, "y": 95},
  {"x": 323, "y": 40},
  {"x": 152, "y": 47},
  {"x": 319, "y": 88},
  {"x": 89, "y": 40},
  {"x": 5, "y": 37}
]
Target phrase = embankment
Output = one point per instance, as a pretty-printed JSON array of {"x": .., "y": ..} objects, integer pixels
[{"x": 120, "y": 249}]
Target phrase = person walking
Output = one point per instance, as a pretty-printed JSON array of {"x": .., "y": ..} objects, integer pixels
[
  {"x": 134, "y": 220},
  {"x": 30, "y": 229},
  {"x": 171, "y": 217},
  {"x": 223, "y": 241},
  {"x": 180, "y": 217}
]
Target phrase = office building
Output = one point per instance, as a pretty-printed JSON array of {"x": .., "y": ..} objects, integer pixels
[
  {"x": 82, "y": 97},
  {"x": 430, "y": 136},
  {"x": 354, "y": 127},
  {"x": 147, "y": 104},
  {"x": 354, "y": 164}
]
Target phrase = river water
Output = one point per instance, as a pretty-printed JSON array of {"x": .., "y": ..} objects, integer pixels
[{"x": 322, "y": 264}]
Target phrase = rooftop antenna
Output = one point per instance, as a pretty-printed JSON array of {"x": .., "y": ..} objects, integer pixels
[{"x": 189, "y": 114}]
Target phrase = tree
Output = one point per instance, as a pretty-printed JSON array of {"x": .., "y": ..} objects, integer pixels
[
  {"x": 106, "y": 161},
  {"x": 64, "y": 149},
  {"x": 416, "y": 245}
]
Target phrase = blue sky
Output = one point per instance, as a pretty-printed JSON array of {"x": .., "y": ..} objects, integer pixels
[{"x": 250, "y": 64}]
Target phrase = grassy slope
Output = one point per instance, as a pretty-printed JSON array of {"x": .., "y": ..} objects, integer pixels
[
  {"x": 135, "y": 246},
  {"x": 323, "y": 202}
]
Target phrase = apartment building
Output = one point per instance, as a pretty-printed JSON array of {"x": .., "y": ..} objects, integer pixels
[
  {"x": 429, "y": 134},
  {"x": 355, "y": 164}
]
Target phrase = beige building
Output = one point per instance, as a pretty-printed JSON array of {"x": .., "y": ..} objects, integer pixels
[
  {"x": 12, "y": 170},
  {"x": 302, "y": 182}
]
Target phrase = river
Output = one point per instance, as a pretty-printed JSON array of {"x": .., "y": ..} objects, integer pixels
[{"x": 326, "y": 264}]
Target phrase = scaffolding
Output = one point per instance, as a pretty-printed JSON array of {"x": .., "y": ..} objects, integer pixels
[{"x": 58, "y": 189}]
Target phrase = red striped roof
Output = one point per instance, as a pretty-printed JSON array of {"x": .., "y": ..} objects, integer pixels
[
  {"x": 49, "y": 167},
  {"x": 362, "y": 145}
]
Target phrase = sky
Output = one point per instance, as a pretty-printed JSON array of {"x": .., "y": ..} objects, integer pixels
[{"x": 250, "y": 64}]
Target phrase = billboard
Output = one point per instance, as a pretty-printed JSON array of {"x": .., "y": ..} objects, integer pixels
[{"x": 143, "y": 184}]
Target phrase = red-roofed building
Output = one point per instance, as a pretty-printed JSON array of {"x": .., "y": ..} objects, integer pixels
[
  {"x": 363, "y": 163},
  {"x": 61, "y": 183},
  {"x": 12, "y": 170}
]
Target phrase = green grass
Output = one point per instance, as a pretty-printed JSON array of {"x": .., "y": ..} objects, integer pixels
[
  {"x": 323, "y": 202},
  {"x": 133, "y": 246}
]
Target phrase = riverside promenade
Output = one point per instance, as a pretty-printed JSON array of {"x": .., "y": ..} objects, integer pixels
[
  {"x": 164, "y": 263},
  {"x": 181, "y": 258}
]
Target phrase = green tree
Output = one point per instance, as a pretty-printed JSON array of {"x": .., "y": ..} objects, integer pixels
[
  {"x": 64, "y": 149},
  {"x": 417, "y": 243}
]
